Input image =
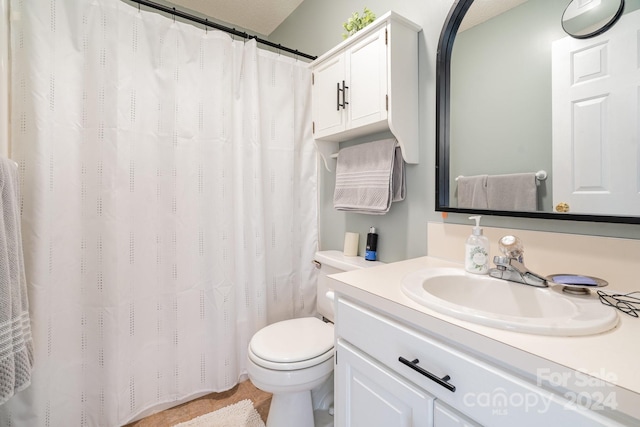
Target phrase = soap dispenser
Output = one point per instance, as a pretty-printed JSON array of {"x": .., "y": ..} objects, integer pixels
[{"x": 476, "y": 259}]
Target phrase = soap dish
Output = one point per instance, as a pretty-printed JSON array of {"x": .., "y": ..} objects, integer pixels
[{"x": 576, "y": 284}]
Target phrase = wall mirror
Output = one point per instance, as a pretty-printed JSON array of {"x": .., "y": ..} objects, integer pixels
[
  {"x": 516, "y": 94},
  {"x": 588, "y": 18}
]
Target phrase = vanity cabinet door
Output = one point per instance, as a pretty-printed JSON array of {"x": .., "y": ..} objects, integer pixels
[
  {"x": 445, "y": 416},
  {"x": 372, "y": 395}
]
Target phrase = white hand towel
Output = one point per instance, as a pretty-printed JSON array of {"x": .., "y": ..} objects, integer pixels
[
  {"x": 369, "y": 177},
  {"x": 512, "y": 192},
  {"x": 16, "y": 346},
  {"x": 472, "y": 192}
]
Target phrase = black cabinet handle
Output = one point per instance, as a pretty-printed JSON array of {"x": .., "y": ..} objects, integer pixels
[
  {"x": 344, "y": 97},
  {"x": 413, "y": 364}
]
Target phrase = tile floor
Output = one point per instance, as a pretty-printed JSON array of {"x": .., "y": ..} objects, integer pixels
[{"x": 205, "y": 404}]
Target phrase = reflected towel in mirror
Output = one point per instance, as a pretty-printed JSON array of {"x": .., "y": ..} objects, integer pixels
[
  {"x": 472, "y": 192},
  {"x": 512, "y": 192}
]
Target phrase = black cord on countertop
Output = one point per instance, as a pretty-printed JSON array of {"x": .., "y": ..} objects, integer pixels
[{"x": 626, "y": 303}]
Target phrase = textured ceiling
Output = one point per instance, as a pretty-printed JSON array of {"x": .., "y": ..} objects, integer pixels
[
  {"x": 483, "y": 10},
  {"x": 259, "y": 16}
]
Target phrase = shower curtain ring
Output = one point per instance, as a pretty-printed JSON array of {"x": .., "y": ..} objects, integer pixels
[
  {"x": 174, "y": 15},
  {"x": 206, "y": 26}
]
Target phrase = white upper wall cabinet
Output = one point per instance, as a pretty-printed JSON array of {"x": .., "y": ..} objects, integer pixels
[
  {"x": 369, "y": 84},
  {"x": 350, "y": 89}
]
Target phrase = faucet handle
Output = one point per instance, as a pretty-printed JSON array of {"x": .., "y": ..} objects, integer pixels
[{"x": 511, "y": 246}]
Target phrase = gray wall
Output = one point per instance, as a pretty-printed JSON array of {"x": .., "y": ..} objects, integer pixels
[{"x": 315, "y": 27}]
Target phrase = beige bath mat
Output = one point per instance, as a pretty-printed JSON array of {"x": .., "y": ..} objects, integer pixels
[{"x": 241, "y": 414}]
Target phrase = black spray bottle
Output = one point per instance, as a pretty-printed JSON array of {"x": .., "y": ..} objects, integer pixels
[{"x": 371, "y": 253}]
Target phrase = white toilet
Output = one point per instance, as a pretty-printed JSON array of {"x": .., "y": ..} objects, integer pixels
[{"x": 293, "y": 357}]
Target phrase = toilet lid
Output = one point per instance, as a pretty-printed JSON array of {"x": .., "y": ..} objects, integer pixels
[{"x": 293, "y": 340}]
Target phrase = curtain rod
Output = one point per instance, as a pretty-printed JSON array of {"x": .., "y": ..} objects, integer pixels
[{"x": 175, "y": 12}]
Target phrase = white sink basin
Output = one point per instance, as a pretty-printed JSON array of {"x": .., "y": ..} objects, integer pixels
[{"x": 506, "y": 305}]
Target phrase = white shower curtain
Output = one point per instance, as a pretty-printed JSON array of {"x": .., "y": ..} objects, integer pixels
[
  {"x": 4, "y": 77},
  {"x": 168, "y": 209}
]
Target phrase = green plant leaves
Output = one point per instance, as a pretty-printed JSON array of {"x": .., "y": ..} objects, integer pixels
[{"x": 357, "y": 22}]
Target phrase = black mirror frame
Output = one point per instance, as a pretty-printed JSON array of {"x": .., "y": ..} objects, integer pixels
[{"x": 443, "y": 82}]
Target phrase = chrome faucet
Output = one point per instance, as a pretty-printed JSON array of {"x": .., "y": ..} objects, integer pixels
[{"x": 511, "y": 265}]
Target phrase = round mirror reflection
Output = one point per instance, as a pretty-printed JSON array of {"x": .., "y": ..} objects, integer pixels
[{"x": 588, "y": 18}]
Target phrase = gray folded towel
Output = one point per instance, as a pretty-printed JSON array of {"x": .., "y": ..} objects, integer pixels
[
  {"x": 472, "y": 192},
  {"x": 512, "y": 192},
  {"x": 369, "y": 177},
  {"x": 398, "y": 182}
]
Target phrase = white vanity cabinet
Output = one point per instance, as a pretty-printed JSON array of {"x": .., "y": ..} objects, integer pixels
[
  {"x": 389, "y": 373},
  {"x": 368, "y": 84}
]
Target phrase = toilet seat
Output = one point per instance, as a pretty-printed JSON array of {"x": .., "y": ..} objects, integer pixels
[{"x": 292, "y": 344}]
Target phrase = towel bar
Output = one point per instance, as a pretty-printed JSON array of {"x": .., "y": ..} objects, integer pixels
[
  {"x": 541, "y": 175},
  {"x": 335, "y": 155}
]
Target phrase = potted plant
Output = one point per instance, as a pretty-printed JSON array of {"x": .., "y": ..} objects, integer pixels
[{"x": 357, "y": 22}]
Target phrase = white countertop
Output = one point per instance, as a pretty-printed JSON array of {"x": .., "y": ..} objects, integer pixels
[{"x": 610, "y": 356}]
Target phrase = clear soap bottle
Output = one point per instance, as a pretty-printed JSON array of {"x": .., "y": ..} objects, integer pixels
[{"x": 476, "y": 259}]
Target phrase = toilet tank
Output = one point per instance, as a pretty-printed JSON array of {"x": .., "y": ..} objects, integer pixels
[{"x": 331, "y": 262}]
